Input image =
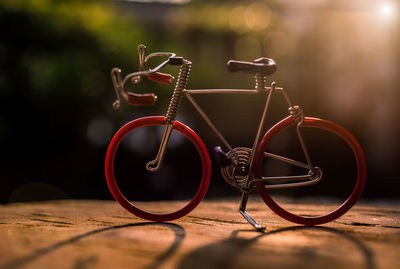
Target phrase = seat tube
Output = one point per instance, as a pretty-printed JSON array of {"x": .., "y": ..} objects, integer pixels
[{"x": 258, "y": 135}]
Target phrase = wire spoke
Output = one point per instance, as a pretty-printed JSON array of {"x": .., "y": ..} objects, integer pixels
[{"x": 287, "y": 160}]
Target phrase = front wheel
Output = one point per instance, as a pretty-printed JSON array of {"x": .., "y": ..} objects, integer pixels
[
  {"x": 184, "y": 175},
  {"x": 333, "y": 149}
]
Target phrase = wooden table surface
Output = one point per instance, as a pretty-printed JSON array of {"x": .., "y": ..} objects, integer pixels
[{"x": 100, "y": 234}]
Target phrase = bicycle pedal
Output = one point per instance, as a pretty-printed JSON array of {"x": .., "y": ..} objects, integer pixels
[{"x": 221, "y": 157}]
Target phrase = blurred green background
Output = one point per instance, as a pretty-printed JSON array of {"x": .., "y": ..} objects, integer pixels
[{"x": 340, "y": 60}]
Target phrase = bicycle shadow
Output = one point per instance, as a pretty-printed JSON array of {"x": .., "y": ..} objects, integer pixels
[
  {"x": 224, "y": 253},
  {"x": 177, "y": 229}
]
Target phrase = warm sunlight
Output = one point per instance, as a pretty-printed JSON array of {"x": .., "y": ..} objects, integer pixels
[{"x": 388, "y": 11}]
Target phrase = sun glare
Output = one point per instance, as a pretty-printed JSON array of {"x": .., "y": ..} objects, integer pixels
[{"x": 387, "y": 10}]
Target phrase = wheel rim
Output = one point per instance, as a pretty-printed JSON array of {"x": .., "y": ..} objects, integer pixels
[
  {"x": 184, "y": 130},
  {"x": 324, "y": 125}
]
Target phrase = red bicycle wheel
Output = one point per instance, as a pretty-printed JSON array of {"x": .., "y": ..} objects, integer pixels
[
  {"x": 178, "y": 129},
  {"x": 289, "y": 208}
]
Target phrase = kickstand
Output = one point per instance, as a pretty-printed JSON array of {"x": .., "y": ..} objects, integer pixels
[{"x": 246, "y": 215}]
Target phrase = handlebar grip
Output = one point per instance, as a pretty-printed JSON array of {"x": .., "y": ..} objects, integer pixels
[
  {"x": 161, "y": 78},
  {"x": 147, "y": 99}
]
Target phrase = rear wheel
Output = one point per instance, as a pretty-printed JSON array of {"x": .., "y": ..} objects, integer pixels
[
  {"x": 333, "y": 149},
  {"x": 184, "y": 176}
]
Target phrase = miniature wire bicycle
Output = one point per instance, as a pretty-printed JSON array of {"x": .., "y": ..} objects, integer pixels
[{"x": 241, "y": 167}]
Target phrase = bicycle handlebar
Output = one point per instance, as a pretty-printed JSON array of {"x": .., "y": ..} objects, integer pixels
[
  {"x": 165, "y": 78},
  {"x": 161, "y": 78},
  {"x": 146, "y": 99},
  {"x": 135, "y": 78}
]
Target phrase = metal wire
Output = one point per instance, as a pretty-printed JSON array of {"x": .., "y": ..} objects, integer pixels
[
  {"x": 236, "y": 174},
  {"x": 261, "y": 82},
  {"x": 180, "y": 86},
  {"x": 297, "y": 113}
]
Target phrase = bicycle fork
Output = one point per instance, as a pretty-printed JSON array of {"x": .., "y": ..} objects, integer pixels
[
  {"x": 173, "y": 107},
  {"x": 155, "y": 164}
]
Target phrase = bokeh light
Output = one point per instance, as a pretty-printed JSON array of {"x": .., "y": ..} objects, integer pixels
[
  {"x": 99, "y": 131},
  {"x": 247, "y": 48},
  {"x": 142, "y": 140},
  {"x": 278, "y": 43},
  {"x": 339, "y": 60},
  {"x": 236, "y": 19},
  {"x": 93, "y": 83},
  {"x": 257, "y": 16}
]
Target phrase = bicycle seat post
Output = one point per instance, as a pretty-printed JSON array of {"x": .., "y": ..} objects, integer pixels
[
  {"x": 261, "y": 82},
  {"x": 261, "y": 79},
  {"x": 261, "y": 68}
]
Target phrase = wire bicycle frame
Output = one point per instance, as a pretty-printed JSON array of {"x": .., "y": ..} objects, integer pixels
[{"x": 250, "y": 179}]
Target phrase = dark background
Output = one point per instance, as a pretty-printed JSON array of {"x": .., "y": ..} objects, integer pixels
[{"x": 339, "y": 59}]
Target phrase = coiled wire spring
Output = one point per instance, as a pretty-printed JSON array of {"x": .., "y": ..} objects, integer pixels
[
  {"x": 180, "y": 86},
  {"x": 297, "y": 113},
  {"x": 236, "y": 175},
  {"x": 261, "y": 81}
]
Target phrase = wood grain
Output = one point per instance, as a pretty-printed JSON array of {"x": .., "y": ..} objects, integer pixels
[{"x": 100, "y": 234}]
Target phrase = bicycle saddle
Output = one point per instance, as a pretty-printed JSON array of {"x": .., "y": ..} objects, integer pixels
[{"x": 264, "y": 66}]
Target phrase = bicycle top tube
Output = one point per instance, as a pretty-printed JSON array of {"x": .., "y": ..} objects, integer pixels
[{"x": 229, "y": 91}]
